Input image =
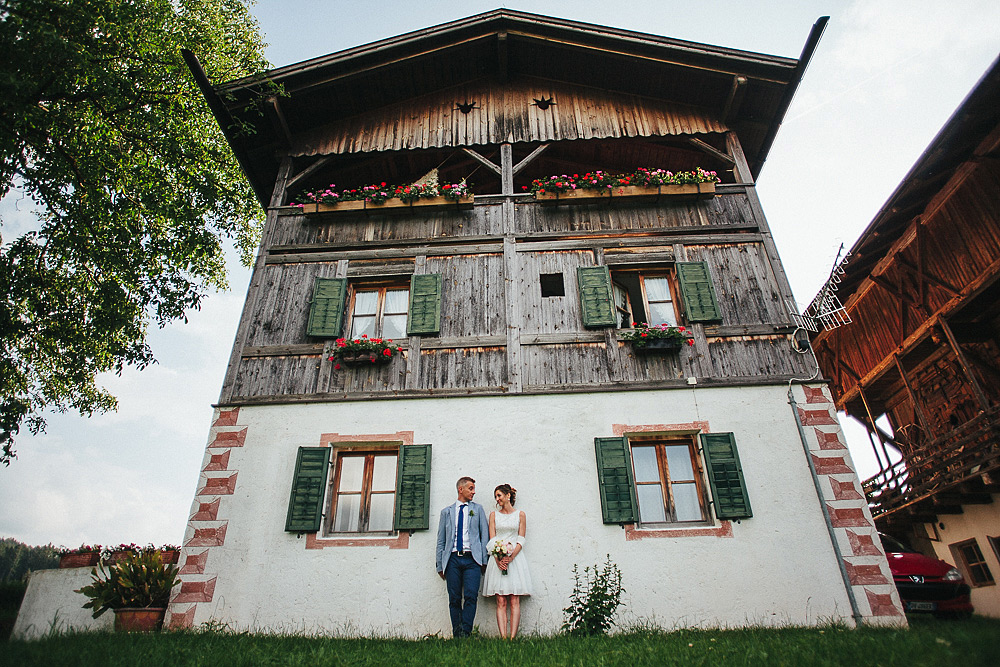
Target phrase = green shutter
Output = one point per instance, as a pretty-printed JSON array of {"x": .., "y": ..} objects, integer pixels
[
  {"x": 596, "y": 303},
  {"x": 614, "y": 475},
  {"x": 424, "y": 315},
  {"x": 327, "y": 310},
  {"x": 413, "y": 488},
  {"x": 729, "y": 491},
  {"x": 305, "y": 506},
  {"x": 698, "y": 292}
]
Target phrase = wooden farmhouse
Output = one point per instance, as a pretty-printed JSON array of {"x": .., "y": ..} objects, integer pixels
[
  {"x": 714, "y": 474},
  {"x": 920, "y": 363}
]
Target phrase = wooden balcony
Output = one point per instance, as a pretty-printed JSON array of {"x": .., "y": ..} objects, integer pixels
[{"x": 958, "y": 468}]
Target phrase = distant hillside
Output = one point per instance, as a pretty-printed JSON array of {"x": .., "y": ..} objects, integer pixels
[{"x": 17, "y": 559}]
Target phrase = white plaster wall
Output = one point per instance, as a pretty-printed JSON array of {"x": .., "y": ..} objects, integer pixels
[
  {"x": 976, "y": 521},
  {"x": 51, "y": 605},
  {"x": 778, "y": 568}
]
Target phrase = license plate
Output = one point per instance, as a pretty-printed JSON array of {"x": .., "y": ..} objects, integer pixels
[{"x": 920, "y": 606}]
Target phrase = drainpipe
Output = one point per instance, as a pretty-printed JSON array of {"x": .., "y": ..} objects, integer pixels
[{"x": 855, "y": 612}]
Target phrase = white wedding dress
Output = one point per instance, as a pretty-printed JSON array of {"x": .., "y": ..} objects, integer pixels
[{"x": 517, "y": 581}]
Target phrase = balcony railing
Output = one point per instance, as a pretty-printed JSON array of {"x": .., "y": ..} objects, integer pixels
[{"x": 964, "y": 453}]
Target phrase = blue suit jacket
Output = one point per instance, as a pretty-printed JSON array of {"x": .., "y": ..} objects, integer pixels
[{"x": 479, "y": 535}]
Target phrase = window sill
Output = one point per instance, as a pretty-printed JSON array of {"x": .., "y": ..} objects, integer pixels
[
  {"x": 399, "y": 541},
  {"x": 724, "y": 529}
]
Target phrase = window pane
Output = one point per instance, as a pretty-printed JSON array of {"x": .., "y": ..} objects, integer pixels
[
  {"x": 365, "y": 303},
  {"x": 679, "y": 463},
  {"x": 384, "y": 475},
  {"x": 644, "y": 464},
  {"x": 347, "y": 514},
  {"x": 650, "y": 503},
  {"x": 351, "y": 472},
  {"x": 662, "y": 313},
  {"x": 657, "y": 289},
  {"x": 363, "y": 326},
  {"x": 380, "y": 517},
  {"x": 686, "y": 502},
  {"x": 394, "y": 326},
  {"x": 396, "y": 301}
]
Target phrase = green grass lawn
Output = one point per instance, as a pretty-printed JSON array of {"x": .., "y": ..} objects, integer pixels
[{"x": 927, "y": 642}]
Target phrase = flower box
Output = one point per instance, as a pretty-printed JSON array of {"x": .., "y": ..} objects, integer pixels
[
  {"x": 139, "y": 619},
  {"x": 88, "y": 559},
  {"x": 583, "y": 196},
  {"x": 658, "y": 346},
  {"x": 389, "y": 206},
  {"x": 366, "y": 359}
]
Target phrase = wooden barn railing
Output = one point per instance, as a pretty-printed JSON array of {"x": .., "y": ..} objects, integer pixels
[{"x": 967, "y": 452}]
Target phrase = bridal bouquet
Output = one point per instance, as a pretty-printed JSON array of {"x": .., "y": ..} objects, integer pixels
[{"x": 502, "y": 549}]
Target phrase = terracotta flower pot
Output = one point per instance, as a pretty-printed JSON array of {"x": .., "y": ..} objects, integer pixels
[
  {"x": 390, "y": 205},
  {"x": 144, "y": 619},
  {"x": 170, "y": 556},
  {"x": 88, "y": 559},
  {"x": 367, "y": 359}
]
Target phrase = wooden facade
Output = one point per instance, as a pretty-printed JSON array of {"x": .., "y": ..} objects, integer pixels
[
  {"x": 923, "y": 290},
  {"x": 499, "y": 124}
]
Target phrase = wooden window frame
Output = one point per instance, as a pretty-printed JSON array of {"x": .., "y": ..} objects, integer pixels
[
  {"x": 369, "y": 453},
  {"x": 666, "y": 485},
  {"x": 958, "y": 550},
  {"x": 380, "y": 286},
  {"x": 643, "y": 274}
]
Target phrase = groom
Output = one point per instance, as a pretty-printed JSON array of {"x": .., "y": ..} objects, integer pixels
[{"x": 461, "y": 554}]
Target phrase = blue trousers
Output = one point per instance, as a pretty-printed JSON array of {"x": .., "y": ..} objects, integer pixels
[{"x": 462, "y": 576}]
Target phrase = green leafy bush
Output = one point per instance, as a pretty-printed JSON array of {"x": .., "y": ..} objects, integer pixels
[
  {"x": 139, "y": 580},
  {"x": 595, "y": 600}
]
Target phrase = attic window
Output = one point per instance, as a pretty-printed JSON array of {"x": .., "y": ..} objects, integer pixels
[{"x": 552, "y": 284}]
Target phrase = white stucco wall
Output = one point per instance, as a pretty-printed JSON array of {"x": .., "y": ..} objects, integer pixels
[
  {"x": 51, "y": 605},
  {"x": 976, "y": 521},
  {"x": 777, "y": 568}
]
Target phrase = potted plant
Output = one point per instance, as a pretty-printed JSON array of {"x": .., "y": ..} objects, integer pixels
[
  {"x": 657, "y": 338},
  {"x": 137, "y": 588},
  {"x": 118, "y": 553},
  {"x": 363, "y": 351},
  {"x": 85, "y": 555},
  {"x": 170, "y": 553}
]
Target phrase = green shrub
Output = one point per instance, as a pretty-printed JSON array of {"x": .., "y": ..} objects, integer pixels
[
  {"x": 595, "y": 600},
  {"x": 138, "y": 580}
]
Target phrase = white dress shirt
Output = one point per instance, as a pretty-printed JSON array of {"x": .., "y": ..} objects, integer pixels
[{"x": 465, "y": 527}]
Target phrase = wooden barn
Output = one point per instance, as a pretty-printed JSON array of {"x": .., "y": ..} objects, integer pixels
[
  {"x": 920, "y": 363},
  {"x": 713, "y": 473}
]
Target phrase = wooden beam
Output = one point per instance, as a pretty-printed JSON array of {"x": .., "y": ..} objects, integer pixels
[
  {"x": 279, "y": 118},
  {"x": 917, "y": 408},
  {"x": 735, "y": 98},
  {"x": 711, "y": 150},
  {"x": 308, "y": 170},
  {"x": 963, "y": 362},
  {"x": 506, "y": 168},
  {"x": 483, "y": 161},
  {"x": 531, "y": 156},
  {"x": 924, "y": 276}
]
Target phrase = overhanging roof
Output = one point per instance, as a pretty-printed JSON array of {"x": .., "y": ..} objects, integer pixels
[
  {"x": 747, "y": 92},
  {"x": 976, "y": 117}
]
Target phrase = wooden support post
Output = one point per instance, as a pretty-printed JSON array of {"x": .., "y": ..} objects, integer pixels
[
  {"x": 963, "y": 362},
  {"x": 917, "y": 409},
  {"x": 506, "y": 169}
]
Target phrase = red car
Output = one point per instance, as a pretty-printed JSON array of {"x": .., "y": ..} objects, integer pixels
[{"x": 926, "y": 584}]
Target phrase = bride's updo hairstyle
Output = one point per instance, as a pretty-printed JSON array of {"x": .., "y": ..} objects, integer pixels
[{"x": 507, "y": 490}]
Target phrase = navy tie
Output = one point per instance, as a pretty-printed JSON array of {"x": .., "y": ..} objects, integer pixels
[{"x": 461, "y": 525}]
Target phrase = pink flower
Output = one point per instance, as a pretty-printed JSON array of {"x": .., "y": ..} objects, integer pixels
[{"x": 337, "y": 367}]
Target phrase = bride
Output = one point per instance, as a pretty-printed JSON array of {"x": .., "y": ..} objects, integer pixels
[{"x": 507, "y": 575}]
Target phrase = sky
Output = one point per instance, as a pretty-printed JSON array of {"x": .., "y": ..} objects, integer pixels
[{"x": 886, "y": 77}]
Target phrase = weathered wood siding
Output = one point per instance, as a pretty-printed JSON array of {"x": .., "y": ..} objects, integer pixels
[
  {"x": 505, "y": 113},
  {"x": 489, "y": 275}
]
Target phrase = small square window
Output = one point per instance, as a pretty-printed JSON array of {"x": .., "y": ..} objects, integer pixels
[
  {"x": 971, "y": 559},
  {"x": 668, "y": 480},
  {"x": 552, "y": 284}
]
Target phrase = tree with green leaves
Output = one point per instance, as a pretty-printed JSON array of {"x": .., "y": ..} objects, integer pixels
[{"x": 104, "y": 132}]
